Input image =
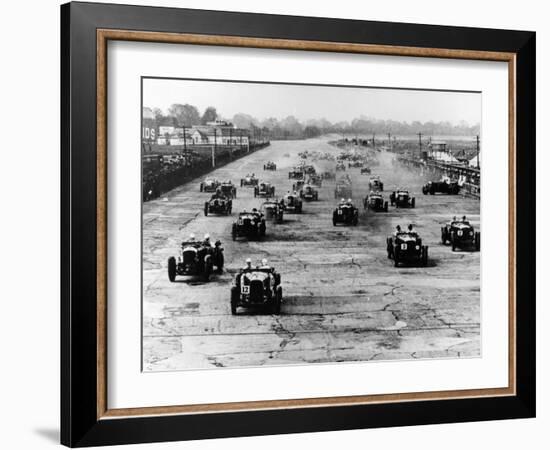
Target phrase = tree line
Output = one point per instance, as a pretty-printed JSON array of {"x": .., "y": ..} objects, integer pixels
[{"x": 290, "y": 127}]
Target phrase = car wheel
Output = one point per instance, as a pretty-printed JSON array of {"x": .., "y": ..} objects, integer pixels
[
  {"x": 172, "y": 269},
  {"x": 206, "y": 209},
  {"x": 278, "y": 300},
  {"x": 453, "y": 243},
  {"x": 234, "y": 233},
  {"x": 385, "y": 206},
  {"x": 443, "y": 236},
  {"x": 425, "y": 255},
  {"x": 413, "y": 202},
  {"x": 207, "y": 270},
  {"x": 477, "y": 240},
  {"x": 395, "y": 258},
  {"x": 221, "y": 260},
  {"x": 201, "y": 187},
  {"x": 234, "y": 300}
]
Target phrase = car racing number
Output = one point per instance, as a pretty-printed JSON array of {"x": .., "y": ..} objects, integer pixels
[{"x": 245, "y": 289}]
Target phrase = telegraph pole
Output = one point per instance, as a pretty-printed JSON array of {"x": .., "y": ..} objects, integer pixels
[
  {"x": 214, "y": 150},
  {"x": 373, "y": 137},
  {"x": 419, "y": 143},
  {"x": 389, "y": 142}
]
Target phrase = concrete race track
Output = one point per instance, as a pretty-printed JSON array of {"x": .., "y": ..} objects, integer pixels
[{"x": 343, "y": 300}]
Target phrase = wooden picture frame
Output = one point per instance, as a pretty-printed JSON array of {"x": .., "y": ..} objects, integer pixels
[{"x": 86, "y": 418}]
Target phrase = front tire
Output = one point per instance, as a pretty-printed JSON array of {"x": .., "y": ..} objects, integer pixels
[
  {"x": 172, "y": 269},
  {"x": 425, "y": 256},
  {"x": 206, "y": 209},
  {"x": 477, "y": 241},
  {"x": 278, "y": 300},
  {"x": 234, "y": 300}
]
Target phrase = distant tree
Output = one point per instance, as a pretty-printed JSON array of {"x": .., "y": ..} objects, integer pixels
[
  {"x": 311, "y": 131},
  {"x": 241, "y": 120},
  {"x": 210, "y": 115},
  {"x": 185, "y": 115}
]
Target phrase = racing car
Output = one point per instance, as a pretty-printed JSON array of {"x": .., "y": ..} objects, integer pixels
[
  {"x": 298, "y": 185},
  {"x": 460, "y": 234},
  {"x": 258, "y": 287},
  {"x": 309, "y": 193},
  {"x": 375, "y": 202},
  {"x": 270, "y": 165},
  {"x": 228, "y": 189},
  {"x": 218, "y": 204},
  {"x": 406, "y": 247},
  {"x": 292, "y": 203},
  {"x": 209, "y": 185},
  {"x": 345, "y": 213},
  {"x": 249, "y": 224},
  {"x": 196, "y": 258},
  {"x": 443, "y": 186},
  {"x": 315, "y": 180},
  {"x": 365, "y": 171},
  {"x": 328, "y": 175},
  {"x": 273, "y": 211},
  {"x": 264, "y": 189},
  {"x": 402, "y": 199},
  {"x": 355, "y": 164},
  {"x": 375, "y": 184},
  {"x": 249, "y": 180},
  {"x": 296, "y": 173}
]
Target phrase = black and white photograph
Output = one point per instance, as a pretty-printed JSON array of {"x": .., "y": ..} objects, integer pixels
[{"x": 287, "y": 224}]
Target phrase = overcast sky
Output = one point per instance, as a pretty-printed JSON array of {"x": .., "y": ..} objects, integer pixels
[{"x": 314, "y": 102}]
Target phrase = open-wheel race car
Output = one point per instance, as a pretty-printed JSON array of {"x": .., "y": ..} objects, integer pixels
[
  {"x": 264, "y": 189},
  {"x": 296, "y": 173},
  {"x": 340, "y": 166},
  {"x": 406, "y": 247},
  {"x": 375, "y": 184},
  {"x": 196, "y": 258},
  {"x": 298, "y": 185},
  {"x": 365, "y": 171},
  {"x": 308, "y": 169},
  {"x": 402, "y": 199},
  {"x": 258, "y": 287},
  {"x": 228, "y": 189},
  {"x": 249, "y": 180},
  {"x": 309, "y": 193},
  {"x": 443, "y": 186},
  {"x": 328, "y": 175},
  {"x": 273, "y": 211},
  {"x": 249, "y": 224},
  {"x": 209, "y": 185},
  {"x": 292, "y": 203},
  {"x": 375, "y": 202},
  {"x": 218, "y": 204},
  {"x": 270, "y": 165},
  {"x": 460, "y": 234},
  {"x": 345, "y": 213},
  {"x": 315, "y": 180},
  {"x": 355, "y": 164}
]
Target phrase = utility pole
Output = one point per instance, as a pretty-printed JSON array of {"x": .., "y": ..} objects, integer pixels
[
  {"x": 389, "y": 141},
  {"x": 214, "y": 149},
  {"x": 373, "y": 137},
  {"x": 477, "y": 151},
  {"x": 420, "y": 143}
]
